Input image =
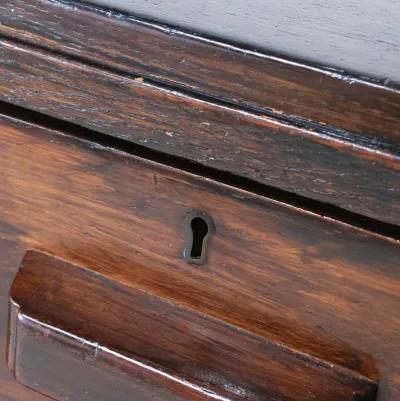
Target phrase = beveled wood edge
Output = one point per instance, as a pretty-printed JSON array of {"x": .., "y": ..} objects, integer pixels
[
  {"x": 332, "y": 97},
  {"x": 13, "y": 313}
]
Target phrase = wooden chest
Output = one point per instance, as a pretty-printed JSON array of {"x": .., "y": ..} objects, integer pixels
[{"x": 185, "y": 217}]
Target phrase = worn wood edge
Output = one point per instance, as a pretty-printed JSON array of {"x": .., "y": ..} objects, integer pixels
[
  {"x": 337, "y": 73},
  {"x": 131, "y": 25},
  {"x": 369, "y": 380}
]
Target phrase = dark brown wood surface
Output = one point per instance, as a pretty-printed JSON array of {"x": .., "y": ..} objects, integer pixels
[
  {"x": 209, "y": 67},
  {"x": 289, "y": 273},
  {"x": 352, "y": 175},
  {"x": 67, "y": 321}
]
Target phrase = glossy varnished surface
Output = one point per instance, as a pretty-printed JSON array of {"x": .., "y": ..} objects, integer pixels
[
  {"x": 362, "y": 177},
  {"x": 67, "y": 321},
  {"x": 288, "y": 273},
  {"x": 220, "y": 71}
]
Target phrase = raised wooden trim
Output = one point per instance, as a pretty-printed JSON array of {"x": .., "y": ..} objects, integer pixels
[
  {"x": 219, "y": 70},
  {"x": 336, "y": 170},
  {"x": 88, "y": 329}
]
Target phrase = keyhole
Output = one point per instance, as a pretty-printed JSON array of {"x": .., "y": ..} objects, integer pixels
[{"x": 198, "y": 229}]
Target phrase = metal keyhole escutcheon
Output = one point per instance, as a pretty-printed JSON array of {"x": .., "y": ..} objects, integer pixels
[{"x": 198, "y": 230}]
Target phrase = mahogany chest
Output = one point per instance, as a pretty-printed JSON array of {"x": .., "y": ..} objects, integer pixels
[{"x": 194, "y": 207}]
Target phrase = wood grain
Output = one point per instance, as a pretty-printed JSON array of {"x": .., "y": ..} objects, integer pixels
[
  {"x": 164, "y": 351},
  {"x": 354, "y": 176},
  {"x": 346, "y": 34},
  {"x": 272, "y": 269},
  {"x": 226, "y": 72}
]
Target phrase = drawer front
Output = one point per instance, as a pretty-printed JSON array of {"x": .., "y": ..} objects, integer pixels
[{"x": 316, "y": 286}]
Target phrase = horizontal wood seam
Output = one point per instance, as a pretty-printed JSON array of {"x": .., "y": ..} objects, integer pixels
[{"x": 324, "y": 210}]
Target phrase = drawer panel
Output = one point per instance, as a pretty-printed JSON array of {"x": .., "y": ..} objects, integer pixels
[{"x": 312, "y": 283}]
